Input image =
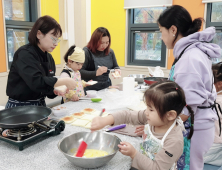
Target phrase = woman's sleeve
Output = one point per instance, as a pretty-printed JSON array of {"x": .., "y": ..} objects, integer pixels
[
  {"x": 130, "y": 117},
  {"x": 85, "y": 74},
  {"x": 29, "y": 70},
  {"x": 115, "y": 64}
]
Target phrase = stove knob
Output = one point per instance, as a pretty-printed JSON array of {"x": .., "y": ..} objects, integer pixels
[{"x": 60, "y": 126}]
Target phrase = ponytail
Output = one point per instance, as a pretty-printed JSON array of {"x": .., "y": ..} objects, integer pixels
[
  {"x": 195, "y": 26},
  {"x": 217, "y": 72},
  {"x": 69, "y": 52},
  {"x": 192, "y": 121}
]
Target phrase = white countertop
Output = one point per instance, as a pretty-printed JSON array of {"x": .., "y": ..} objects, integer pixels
[{"x": 44, "y": 154}]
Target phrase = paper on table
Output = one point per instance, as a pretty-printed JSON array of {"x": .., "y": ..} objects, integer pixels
[
  {"x": 80, "y": 122},
  {"x": 88, "y": 117},
  {"x": 91, "y": 82}
]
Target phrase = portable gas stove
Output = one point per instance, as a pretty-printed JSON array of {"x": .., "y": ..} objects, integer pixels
[{"x": 23, "y": 136}]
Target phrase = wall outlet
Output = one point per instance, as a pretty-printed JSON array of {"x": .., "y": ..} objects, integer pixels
[{"x": 65, "y": 36}]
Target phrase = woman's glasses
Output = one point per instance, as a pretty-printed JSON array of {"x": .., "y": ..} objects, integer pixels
[{"x": 55, "y": 40}]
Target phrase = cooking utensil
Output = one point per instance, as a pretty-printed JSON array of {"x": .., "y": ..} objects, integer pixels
[
  {"x": 22, "y": 116},
  {"x": 100, "y": 141},
  {"x": 83, "y": 145},
  {"x": 111, "y": 70},
  {"x": 115, "y": 128},
  {"x": 138, "y": 77},
  {"x": 151, "y": 80},
  {"x": 96, "y": 99}
]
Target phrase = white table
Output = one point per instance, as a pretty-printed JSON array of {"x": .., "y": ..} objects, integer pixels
[{"x": 45, "y": 155}]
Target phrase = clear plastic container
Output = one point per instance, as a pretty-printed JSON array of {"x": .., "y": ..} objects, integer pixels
[
  {"x": 60, "y": 111},
  {"x": 91, "y": 93}
]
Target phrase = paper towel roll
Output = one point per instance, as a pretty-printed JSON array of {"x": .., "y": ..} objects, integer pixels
[{"x": 128, "y": 85}]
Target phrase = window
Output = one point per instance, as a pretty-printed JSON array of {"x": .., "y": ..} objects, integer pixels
[
  {"x": 20, "y": 16},
  {"x": 145, "y": 47},
  {"x": 214, "y": 18}
]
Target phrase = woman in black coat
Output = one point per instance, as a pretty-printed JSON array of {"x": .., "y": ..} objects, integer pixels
[{"x": 30, "y": 78}]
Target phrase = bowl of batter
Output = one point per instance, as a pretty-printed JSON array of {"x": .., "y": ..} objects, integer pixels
[{"x": 101, "y": 148}]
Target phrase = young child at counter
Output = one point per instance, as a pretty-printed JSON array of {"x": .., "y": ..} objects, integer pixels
[
  {"x": 74, "y": 58},
  {"x": 214, "y": 155},
  {"x": 162, "y": 142}
]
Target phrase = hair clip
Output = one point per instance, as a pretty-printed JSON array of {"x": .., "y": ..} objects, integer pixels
[
  {"x": 186, "y": 105},
  {"x": 176, "y": 88}
]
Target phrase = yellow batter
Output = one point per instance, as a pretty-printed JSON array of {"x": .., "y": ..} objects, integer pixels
[{"x": 91, "y": 153}]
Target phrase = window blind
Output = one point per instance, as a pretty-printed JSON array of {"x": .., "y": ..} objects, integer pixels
[{"x": 129, "y": 4}]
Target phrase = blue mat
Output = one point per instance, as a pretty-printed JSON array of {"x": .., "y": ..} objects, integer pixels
[{"x": 211, "y": 167}]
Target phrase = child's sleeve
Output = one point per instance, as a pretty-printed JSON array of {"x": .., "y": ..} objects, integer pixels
[
  {"x": 130, "y": 117},
  {"x": 83, "y": 83},
  {"x": 165, "y": 158}
]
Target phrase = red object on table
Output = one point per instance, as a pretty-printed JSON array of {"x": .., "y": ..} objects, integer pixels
[
  {"x": 151, "y": 80},
  {"x": 81, "y": 150},
  {"x": 83, "y": 145}
]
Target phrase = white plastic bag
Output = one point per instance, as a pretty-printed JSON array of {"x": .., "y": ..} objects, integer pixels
[{"x": 157, "y": 72}]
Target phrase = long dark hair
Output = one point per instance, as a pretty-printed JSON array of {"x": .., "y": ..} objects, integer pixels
[
  {"x": 217, "y": 72},
  {"x": 178, "y": 16},
  {"x": 69, "y": 53},
  {"x": 166, "y": 96},
  {"x": 96, "y": 39},
  {"x": 44, "y": 24}
]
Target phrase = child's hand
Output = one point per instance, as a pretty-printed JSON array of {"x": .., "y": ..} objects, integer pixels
[
  {"x": 139, "y": 130},
  {"x": 97, "y": 123},
  {"x": 75, "y": 97},
  {"x": 127, "y": 149},
  {"x": 101, "y": 122}
]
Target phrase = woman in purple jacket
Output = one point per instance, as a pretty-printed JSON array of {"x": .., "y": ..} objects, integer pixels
[{"x": 191, "y": 69}]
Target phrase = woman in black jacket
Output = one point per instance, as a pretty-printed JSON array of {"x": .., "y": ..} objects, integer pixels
[
  {"x": 99, "y": 58},
  {"x": 30, "y": 78}
]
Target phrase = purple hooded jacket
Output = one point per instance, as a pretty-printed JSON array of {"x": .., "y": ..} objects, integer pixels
[{"x": 194, "y": 74}]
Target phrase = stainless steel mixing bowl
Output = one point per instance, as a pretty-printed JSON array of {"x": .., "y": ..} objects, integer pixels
[
  {"x": 138, "y": 77},
  {"x": 96, "y": 140}
]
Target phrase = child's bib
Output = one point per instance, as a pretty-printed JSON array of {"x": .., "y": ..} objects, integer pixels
[{"x": 151, "y": 145}]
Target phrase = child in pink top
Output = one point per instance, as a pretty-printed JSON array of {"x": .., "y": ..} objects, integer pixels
[
  {"x": 74, "y": 58},
  {"x": 214, "y": 155}
]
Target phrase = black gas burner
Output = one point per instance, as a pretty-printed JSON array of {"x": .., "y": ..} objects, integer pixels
[
  {"x": 23, "y": 136},
  {"x": 19, "y": 133}
]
